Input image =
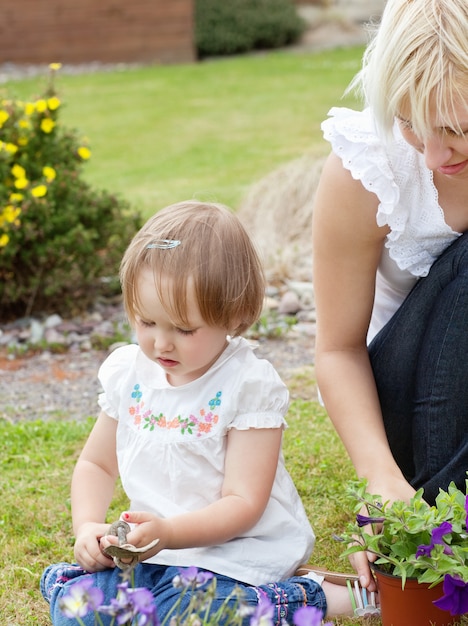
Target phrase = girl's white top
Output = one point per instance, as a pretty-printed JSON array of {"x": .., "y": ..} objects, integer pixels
[
  {"x": 408, "y": 204},
  {"x": 171, "y": 448}
]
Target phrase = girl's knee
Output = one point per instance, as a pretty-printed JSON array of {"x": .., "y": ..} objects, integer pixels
[
  {"x": 56, "y": 576},
  {"x": 56, "y": 583}
]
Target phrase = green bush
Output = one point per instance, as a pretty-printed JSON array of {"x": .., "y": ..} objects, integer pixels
[
  {"x": 60, "y": 240},
  {"x": 235, "y": 26}
]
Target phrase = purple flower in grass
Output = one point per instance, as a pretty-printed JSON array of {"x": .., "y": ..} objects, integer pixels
[
  {"x": 81, "y": 598},
  {"x": 436, "y": 539},
  {"x": 263, "y": 613},
  {"x": 130, "y": 604},
  {"x": 191, "y": 577},
  {"x": 143, "y": 602},
  {"x": 455, "y": 598},
  {"x": 308, "y": 616},
  {"x": 466, "y": 509}
]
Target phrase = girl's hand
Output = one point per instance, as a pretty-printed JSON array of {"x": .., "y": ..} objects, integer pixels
[
  {"x": 147, "y": 528},
  {"x": 87, "y": 548}
]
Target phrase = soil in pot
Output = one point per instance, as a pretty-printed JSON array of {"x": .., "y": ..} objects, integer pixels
[{"x": 411, "y": 606}]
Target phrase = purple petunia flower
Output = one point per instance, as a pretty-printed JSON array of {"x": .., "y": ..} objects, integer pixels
[
  {"x": 191, "y": 577},
  {"x": 363, "y": 520},
  {"x": 309, "y": 616},
  {"x": 81, "y": 599},
  {"x": 455, "y": 598},
  {"x": 424, "y": 550},
  {"x": 466, "y": 509},
  {"x": 436, "y": 539},
  {"x": 263, "y": 614}
]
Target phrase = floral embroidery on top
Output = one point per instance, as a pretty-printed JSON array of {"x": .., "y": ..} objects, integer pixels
[
  {"x": 193, "y": 424},
  {"x": 216, "y": 401}
]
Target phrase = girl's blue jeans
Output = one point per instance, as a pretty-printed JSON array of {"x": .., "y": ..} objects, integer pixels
[
  {"x": 420, "y": 364},
  {"x": 286, "y": 596}
]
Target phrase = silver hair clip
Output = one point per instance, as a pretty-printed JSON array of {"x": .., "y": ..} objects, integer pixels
[{"x": 163, "y": 244}]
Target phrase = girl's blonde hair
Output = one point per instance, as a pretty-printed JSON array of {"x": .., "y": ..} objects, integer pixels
[
  {"x": 215, "y": 258},
  {"x": 418, "y": 58}
]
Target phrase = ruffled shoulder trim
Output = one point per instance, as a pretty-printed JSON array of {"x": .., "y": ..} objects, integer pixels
[
  {"x": 259, "y": 420},
  {"x": 260, "y": 398},
  {"x": 354, "y": 139},
  {"x": 396, "y": 173},
  {"x": 111, "y": 375}
]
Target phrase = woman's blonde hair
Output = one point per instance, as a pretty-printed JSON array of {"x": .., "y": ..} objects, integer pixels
[
  {"x": 212, "y": 254},
  {"x": 418, "y": 58}
]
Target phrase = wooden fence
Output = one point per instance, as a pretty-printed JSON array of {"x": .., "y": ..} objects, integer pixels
[{"x": 105, "y": 31}]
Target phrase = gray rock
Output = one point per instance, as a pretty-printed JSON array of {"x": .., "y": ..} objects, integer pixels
[{"x": 289, "y": 304}]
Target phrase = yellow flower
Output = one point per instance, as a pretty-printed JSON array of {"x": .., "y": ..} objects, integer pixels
[
  {"x": 3, "y": 117},
  {"x": 29, "y": 108},
  {"x": 47, "y": 125},
  {"x": 4, "y": 239},
  {"x": 18, "y": 171},
  {"x": 22, "y": 141},
  {"x": 84, "y": 152},
  {"x": 41, "y": 105},
  {"x": 16, "y": 197},
  {"x": 21, "y": 183},
  {"x": 53, "y": 103},
  {"x": 49, "y": 173},
  {"x": 55, "y": 66},
  {"x": 10, "y": 213},
  {"x": 24, "y": 123},
  {"x": 10, "y": 147},
  {"x": 39, "y": 191}
]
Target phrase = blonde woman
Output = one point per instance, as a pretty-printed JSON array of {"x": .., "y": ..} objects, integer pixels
[{"x": 391, "y": 257}]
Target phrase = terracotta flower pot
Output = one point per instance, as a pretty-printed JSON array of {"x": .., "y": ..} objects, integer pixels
[{"x": 412, "y": 605}]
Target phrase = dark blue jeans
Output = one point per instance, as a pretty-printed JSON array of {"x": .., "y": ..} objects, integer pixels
[
  {"x": 420, "y": 364},
  {"x": 286, "y": 596}
]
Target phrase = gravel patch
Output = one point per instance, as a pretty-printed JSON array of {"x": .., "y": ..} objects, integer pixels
[{"x": 65, "y": 386}]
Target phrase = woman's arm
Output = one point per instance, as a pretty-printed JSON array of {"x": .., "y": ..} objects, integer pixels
[
  {"x": 250, "y": 469},
  {"x": 92, "y": 489},
  {"x": 347, "y": 245}
]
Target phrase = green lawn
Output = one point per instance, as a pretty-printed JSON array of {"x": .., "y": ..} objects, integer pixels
[{"x": 209, "y": 130}]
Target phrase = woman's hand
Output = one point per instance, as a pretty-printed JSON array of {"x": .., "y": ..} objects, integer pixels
[
  {"x": 360, "y": 562},
  {"x": 391, "y": 488},
  {"x": 87, "y": 548},
  {"x": 396, "y": 489}
]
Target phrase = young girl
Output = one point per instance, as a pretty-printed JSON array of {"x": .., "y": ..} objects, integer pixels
[{"x": 192, "y": 422}]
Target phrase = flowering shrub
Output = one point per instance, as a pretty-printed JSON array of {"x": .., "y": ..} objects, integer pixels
[
  {"x": 416, "y": 540},
  {"x": 58, "y": 237},
  {"x": 135, "y": 606}
]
